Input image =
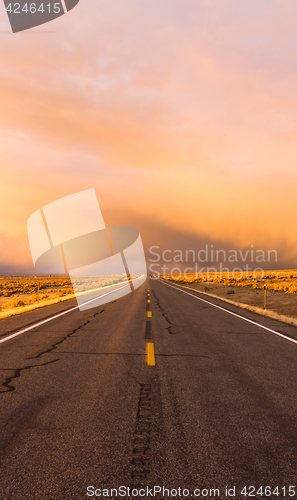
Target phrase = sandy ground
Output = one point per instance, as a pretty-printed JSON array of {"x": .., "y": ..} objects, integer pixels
[{"x": 280, "y": 302}]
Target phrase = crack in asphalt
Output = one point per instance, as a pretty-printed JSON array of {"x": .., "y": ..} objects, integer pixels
[
  {"x": 168, "y": 328},
  {"x": 96, "y": 314},
  {"x": 17, "y": 374},
  {"x": 56, "y": 344},
  {"x": 18, "y": 371},
  {"x": 103, "y": 353}
]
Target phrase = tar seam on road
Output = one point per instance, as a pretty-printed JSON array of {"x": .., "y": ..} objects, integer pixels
[
  {"x": 234, "y": 314},
  {"x": 141, "y": 443},
  {"x": 54, "y": 317},
  {"x": 148, "y": 330},
  {"x": 105, "y": 354}
]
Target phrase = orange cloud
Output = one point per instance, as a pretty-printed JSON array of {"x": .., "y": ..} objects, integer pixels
[{"x": 183, "y": 115}]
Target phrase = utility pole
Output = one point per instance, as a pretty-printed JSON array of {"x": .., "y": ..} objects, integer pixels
[{"x": 265, "y": 290}]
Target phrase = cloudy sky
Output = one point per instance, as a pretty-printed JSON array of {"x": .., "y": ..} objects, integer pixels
[{"x": 182, "y": 114}]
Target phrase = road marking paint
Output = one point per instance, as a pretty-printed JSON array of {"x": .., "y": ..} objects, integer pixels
[
  {"x": 150, "y": 354},
  {"x": 149, "y": 314},
  {"x": 54, "y": 317},
  {"x": 148, "y": 300},
  {"x": 233, "y": 314}
]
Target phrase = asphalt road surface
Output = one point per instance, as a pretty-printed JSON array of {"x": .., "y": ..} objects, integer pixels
[{"x": 83, "y": 408}]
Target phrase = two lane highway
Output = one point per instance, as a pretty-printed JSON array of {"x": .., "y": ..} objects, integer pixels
[{"x": 81, "y": 405}]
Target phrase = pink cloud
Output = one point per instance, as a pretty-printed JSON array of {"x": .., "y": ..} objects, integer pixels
[{"x": 191, "y": 108}]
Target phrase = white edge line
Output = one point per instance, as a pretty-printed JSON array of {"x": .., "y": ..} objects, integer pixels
[
  {"x": 56, "y": 316},
  {"x": 233, "y": 314}
]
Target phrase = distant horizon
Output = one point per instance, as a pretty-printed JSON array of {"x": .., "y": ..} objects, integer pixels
[{"x": 20, "y": 275}]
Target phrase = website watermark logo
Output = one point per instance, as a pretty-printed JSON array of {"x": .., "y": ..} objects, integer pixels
[
  {"x": 69, "y": 235},
  {"x": 24, "y": 15},
  {"x": 210, "y": 263}
]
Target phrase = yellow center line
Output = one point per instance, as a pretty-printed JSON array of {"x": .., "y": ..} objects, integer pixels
[{"x": 150, "y": 354}]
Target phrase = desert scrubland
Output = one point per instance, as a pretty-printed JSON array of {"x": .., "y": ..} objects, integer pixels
[
  {"x": 281, "y": 288},
  {"x": 21, "y": 293}
]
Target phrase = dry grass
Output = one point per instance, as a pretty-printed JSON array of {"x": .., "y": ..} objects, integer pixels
[
  {"x": 21, "y": 292},
  {"x": 248, "y": 291},
  {"x": 275, "y": 280}
]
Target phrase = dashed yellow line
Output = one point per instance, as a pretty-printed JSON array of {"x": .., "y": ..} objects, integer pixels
[
  {"x": 150, "y": 354},
  {"x": 150, "y": 351}
]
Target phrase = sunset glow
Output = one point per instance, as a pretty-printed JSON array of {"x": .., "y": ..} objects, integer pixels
[{"x": 181, "y": 115}]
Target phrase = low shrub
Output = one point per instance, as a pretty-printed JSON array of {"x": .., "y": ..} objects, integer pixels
[
  {"x": 13, "y": 303},
  {"x": 34, "y": 297}
]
